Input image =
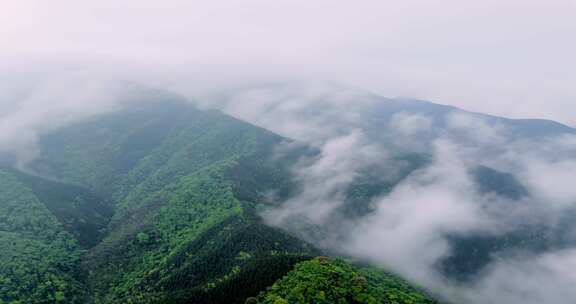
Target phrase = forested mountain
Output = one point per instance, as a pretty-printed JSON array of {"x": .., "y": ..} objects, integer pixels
[
  {"x": 322, "y": 280},
  {"x": 179, "y": 229},
  {"x": 160, "y": 202},
  {"x": 155, "y": 203}
]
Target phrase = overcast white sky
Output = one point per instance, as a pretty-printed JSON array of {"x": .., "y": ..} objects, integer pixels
[{"x": 507, "y": 57}]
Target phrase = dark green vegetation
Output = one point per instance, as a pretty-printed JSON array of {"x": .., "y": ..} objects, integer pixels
[
  {"x": 152, "y": 204},
  {"x": 325, "y": 281},
  {"x": 82, "y": 213}
]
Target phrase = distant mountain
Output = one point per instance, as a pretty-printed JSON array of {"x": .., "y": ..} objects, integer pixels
[
  {"x": 527, "y": 127},
  {"x": 342, "y": 108},
  {"x": 381, "y": 112}
]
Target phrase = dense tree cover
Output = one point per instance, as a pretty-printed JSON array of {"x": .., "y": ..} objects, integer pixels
[
  {"x": 83, "y": 214},
  {"x": 38, "y": 258},
  {"x": 177, "y": 175},
  {"x": 323, "y": 280},
  {"x": 175, "y": 247},
  {"x": 227, "y": 263}
]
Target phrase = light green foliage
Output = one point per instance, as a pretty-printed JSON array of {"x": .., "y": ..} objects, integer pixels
[
  {"x": 20, "y": 211},
  {"x": 37, "y": 257},
  {"x": 192, "y": 205},
  {"x": 142, "y": 238},
  {"x": 325, "y": 281},
  {"x": 243, "y": 255}
]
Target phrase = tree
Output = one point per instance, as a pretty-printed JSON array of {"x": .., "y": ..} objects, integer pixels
[{"x": 142, "y": 238}]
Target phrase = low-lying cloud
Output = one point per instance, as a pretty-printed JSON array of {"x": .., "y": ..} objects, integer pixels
[
  {"x": 409, "y": 230},
  {"x": 32, "y": 108}
]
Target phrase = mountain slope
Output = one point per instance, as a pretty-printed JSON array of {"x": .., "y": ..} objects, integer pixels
[
  {"x": 322, "y": 280},
  {"x": 83, "y": 213},
  {"x": 39, "y": 259},
  {"x": 184, "y": 184}
]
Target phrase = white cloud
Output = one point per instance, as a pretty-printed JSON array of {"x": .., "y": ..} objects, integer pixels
[
  {"x": 470, "y": 128},
  {"x": 552, "y": 183},
  {"x": 312, "y": 113},
  {"x": 547, "y": 278},
  {"x": 326, "y": 178},
  {"x": 40, "y": 107},
  {"x": 407, "y": 233},
  {"x": 410, "y": 124}
]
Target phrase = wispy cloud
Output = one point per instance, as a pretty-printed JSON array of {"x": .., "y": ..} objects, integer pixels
[{"x": 410, "y": 230}]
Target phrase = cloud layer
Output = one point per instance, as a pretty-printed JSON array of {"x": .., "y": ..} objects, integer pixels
[
  {"x": 506, "y": 57},
  {"x": 411, "y": 229}
]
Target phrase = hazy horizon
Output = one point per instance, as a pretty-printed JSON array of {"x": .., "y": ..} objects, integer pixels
[{"x": 503, "y": 57}]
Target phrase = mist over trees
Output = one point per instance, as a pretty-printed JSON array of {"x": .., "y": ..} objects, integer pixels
[{"x": 287, "y": 151}]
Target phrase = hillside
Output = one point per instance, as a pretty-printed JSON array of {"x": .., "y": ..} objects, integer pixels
[
  {"x": 153, "y": 204},
  {"x": 161, "y": 202},
  {"x": 39, "y": 258},
  {"x": 323, "y": 280},
  {"x": 180, "y": 229}
]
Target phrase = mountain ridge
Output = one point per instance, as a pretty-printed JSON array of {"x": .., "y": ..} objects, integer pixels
[{"x": 187, "y": 187}]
